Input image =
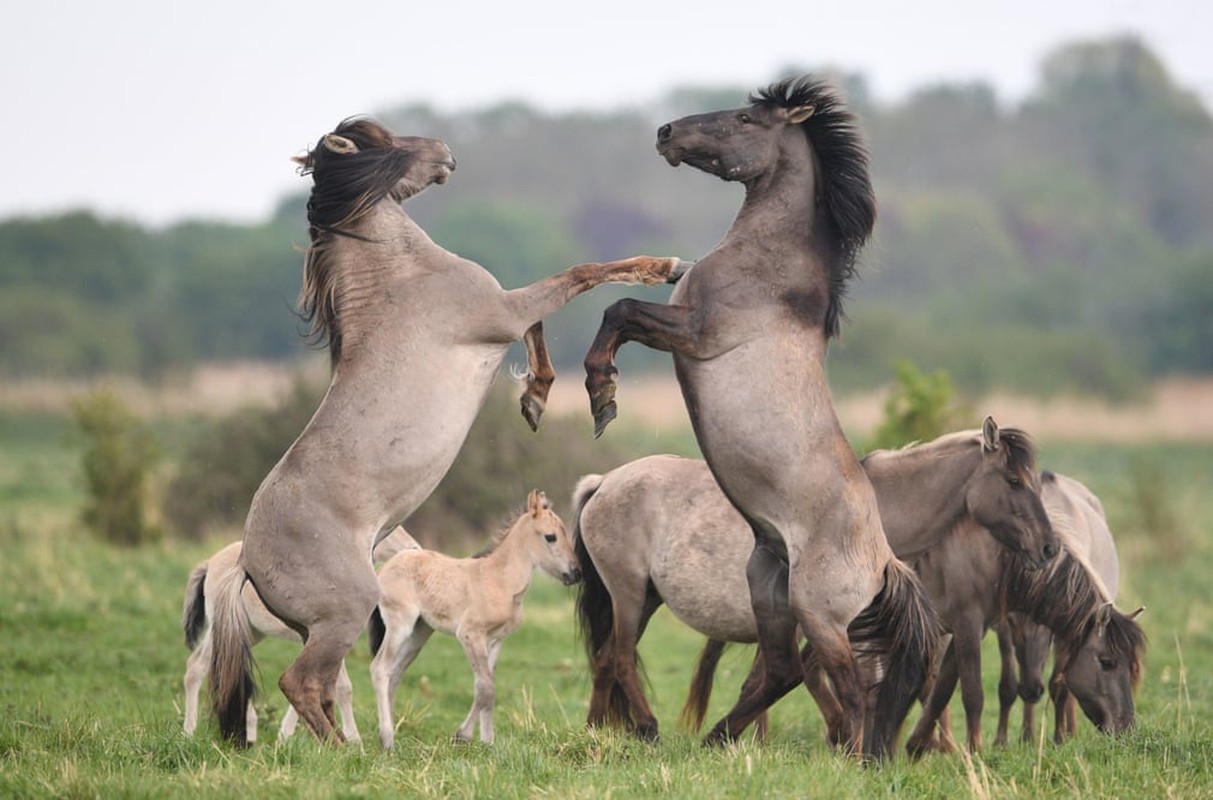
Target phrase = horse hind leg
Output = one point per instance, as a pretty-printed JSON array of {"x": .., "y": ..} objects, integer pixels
[
  {"x": 345, "y": 705},
  {"x": 196, "y": 668},
  {"x": 309, "y": 683}
]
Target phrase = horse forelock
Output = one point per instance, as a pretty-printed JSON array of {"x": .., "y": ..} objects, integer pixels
[{"x": 845, "y": 184}]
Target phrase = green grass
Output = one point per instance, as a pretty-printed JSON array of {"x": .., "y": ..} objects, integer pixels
[{"x": 91, "y": 661}]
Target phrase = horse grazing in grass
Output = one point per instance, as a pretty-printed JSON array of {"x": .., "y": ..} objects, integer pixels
[
  {"x": 416, "y": 335},
  {"x": 1078, "y": 516},
  {"x": 748, "y": 327},
  {"x": 196, "y": 621},
  {"x": 478, "y": 600},
  {"x": 1098, "y": 649},
  {"x": 659, "y": 530}
]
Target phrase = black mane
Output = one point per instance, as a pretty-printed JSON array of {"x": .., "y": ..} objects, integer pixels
[{"x": 846, "y": 186}]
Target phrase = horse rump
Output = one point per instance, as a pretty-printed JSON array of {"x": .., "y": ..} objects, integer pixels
[{"x": 900, "y": 630}]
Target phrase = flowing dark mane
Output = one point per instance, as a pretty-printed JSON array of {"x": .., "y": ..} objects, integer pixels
[
  {"x": 1064, "y": 597},
  {"x": 1021, "y": 449},
  {"x": 346, "y": 186},
  {"x": 845, "y": 188}
]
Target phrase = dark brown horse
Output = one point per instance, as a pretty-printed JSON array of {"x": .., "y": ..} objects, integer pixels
[
  {"x": 748, "y": 327},
  {"x": 417, "y": 335},
  {"x": 1098, "y": 649}
]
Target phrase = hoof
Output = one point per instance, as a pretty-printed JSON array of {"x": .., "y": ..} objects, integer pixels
[
  {"x": 603, "y": 417},
  {"x": 717, "y": 738},
  {"x": 458, "y": 739},
  {"x": 532, "y": 410}
]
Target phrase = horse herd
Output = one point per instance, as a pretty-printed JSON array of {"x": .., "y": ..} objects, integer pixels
[{"x": 870, "y": 582}]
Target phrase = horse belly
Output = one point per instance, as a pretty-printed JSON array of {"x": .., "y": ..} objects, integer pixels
[{"x": 701, "y": 576}]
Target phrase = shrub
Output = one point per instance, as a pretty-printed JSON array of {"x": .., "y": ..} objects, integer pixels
[
  {"x": 119, "y": 454},
  {"x": 919, "y": 408}
]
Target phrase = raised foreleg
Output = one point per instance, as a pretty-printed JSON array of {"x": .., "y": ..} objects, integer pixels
[
  {"x": 539, "y": 376},
  {"x": 662, "y": 327}
]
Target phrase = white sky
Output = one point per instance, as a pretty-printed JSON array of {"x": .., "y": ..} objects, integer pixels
[{"x": 154, "y": 111}]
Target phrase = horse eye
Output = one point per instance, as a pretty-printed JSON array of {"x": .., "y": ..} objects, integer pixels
[
  {"x": 745, "y": 119},
  {"x": 1014, "y": 480},
  {"x": 1107, "y": 664},
  {"x": 550, "y": 538}
]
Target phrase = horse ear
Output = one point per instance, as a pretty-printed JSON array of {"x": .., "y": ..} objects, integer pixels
[
  {"x": 1137, "y": 613},
  {"x": 989, "y": 434},
  {"x": 536, "y": 501},
  {"x": 339, "y": 144},
  {"x": 800, "y": 114},
  {"x": 1102, "y": 617},
  {"x": 300, "y": 160}
]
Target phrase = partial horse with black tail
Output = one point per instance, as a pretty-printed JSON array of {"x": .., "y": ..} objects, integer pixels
[
  {"x": 748, "y": 327},
  {"x": 416, "y": 336}
]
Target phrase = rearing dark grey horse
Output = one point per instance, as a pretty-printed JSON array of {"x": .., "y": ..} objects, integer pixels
[{"x": 748, "y": 327}]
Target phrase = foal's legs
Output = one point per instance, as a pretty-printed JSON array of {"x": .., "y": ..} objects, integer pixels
[
  {"x": 405, "y": 634},
  {"x": 478, "y": 650}
]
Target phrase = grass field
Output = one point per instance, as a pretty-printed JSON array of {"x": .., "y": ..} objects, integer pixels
[{"x": 91, "y": 661}]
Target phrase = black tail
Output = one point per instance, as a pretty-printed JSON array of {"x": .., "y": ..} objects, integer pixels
[
  {"x": 193, "y": 614},
  {"x": 696, "y": 706},
  {"x": 901, "y": 628},
  {"x": 595, "y": 609},
  {"x": 232, "y": 684},
  {"x": 376, "y": 629}
]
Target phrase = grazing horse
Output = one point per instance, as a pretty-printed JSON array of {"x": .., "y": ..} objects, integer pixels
[
  {"x": 659, "y": 530},
  {"x": 748, "y": 327},
  {"x": 1078, "y": 516},
  {"x": 196, "y": 621},
  {"x": 478, "y": 600},
  {"x": 1097, "y": 648},
  {"x": 416, "y": 336}
]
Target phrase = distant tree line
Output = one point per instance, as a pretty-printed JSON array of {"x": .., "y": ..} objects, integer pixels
[{"x": 1064, "y": 243}]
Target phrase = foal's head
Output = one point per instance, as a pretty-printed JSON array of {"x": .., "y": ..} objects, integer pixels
[
  {"x": 547, "y": 540},
  {"x": 1003, "y": 495}
]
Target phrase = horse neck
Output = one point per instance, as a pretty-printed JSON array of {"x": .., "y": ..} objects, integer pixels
[
  {"x": 386, "y": 247},
  {"x": 921, "y": 496},
  {"x": 510, "y": 563},
  {"x": 786, "y": 193}
]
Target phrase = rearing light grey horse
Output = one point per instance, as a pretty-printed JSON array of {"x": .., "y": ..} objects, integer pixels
[
  {"x": 748, "y": 327},
  {"x": 417, "y": 335}
]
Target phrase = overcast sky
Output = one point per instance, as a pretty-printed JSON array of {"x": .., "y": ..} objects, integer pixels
[{"x": 153, "y": 111}]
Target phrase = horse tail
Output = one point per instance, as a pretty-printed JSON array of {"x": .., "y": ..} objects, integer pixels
[
  {"x": 193, "y": 614},
  {"x": 696, "y": 706},
  {"x": 595, "y": 612},
  {"x": 900, "y": 625},
  {"x": 232, "y": 684},
  {"x": 376, "y": 630},
  {"x": 595, "y": 609}
]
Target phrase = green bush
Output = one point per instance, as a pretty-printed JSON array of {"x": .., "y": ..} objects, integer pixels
[
  {"x": 221, "y": 470},
  {"x": 119, "y": 454},
  {"x": 919, "y": 408}
]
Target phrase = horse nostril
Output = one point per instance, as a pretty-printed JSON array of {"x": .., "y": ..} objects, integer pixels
[{"x": 663, "y": 132}]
